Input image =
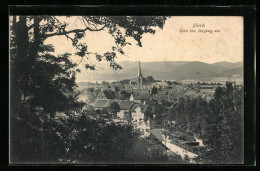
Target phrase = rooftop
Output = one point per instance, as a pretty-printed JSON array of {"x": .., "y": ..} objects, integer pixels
[
  {"x": 124, "y": 104},
  {"x": 143, "y": 107},
  {"x": 141, "y": 96},
  {"x": 157, "y": 134}
]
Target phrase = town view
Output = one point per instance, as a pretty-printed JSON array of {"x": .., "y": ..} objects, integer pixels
[
  {"x": 125, "y": 90},
  {"x": 172, "y": 117}
]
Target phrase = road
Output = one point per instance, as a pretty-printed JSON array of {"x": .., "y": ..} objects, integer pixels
[{"x": 178, "y": 150}]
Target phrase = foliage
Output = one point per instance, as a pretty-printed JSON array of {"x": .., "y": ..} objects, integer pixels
[
  {"x": 176, "y": 83},
  {"x": 169, "y": 82},
  {"x": 125, "y": 81},
  {"x": 225, "y": 131},
  {"x": 154, "y": 91},
  {"x": 148, "y": 80},
  {"x": 110, "y": 94},
  {"x": 117, "y": 89},
  {"x": 91, "y": 141},
  {"x": 159, "y": 112},
  {"x": 123, "y": 95},
  {"x": 218, "y": 121},
  {"x": 114, "y": 108},
  {"x": 43, "y": 83},
  {"x": 128, "y": 117},
  {"x": 165, "y": 103}
]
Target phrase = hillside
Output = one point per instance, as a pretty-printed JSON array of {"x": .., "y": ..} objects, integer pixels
[{"x": 173, "y": 70}]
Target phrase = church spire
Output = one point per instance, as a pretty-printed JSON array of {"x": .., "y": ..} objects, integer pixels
[
  {"x": 139, "y": 70},
  {"x": 139, "y": 77}
]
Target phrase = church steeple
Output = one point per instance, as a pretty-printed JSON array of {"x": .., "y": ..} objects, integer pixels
[
  {"x": 139, "y": 77},
  {"x": 139, "y": 71}
]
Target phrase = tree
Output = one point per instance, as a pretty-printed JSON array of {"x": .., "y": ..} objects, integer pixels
[
  {"x": 159, "y": 112},
  {"x": 128, "y": 117},
  {"x": 154, "y": 91},
  {"x": 114, "y": 108},
  {"x": 150, "y": 79},
  {"x": 117, "y": 89},
  {"x": 148, "y": 113},
  {"x": 165, "y": 103},
  {"x": 125, "y": 81},
  {"x": 123, "y": 95},
  {"x": 110, "y": 94},
  {"x": 115, "y": 144},
  {"x": 169, "y": 82},
  {"x": 28, "y": 51},
  {"x": 42, "y": 82},
  {"x": 222, "y": 126},
  {"x": 226, "y": 142}
]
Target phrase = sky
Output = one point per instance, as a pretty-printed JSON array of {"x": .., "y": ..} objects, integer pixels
[{"x": 170, "y": 43}]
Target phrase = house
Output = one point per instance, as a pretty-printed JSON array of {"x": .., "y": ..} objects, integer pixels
[
  {"x": 207, "y": 88},
  {"x": 162, "y": 84},
  {"x": 125, "y": 106},
  {"x": 192, "y": 93},
  {"x": 177, "y": 96},
  {"x": 139, "y": 98},
  {"x": 102, "y": 95},
  {"x": 137, "y": 112}
]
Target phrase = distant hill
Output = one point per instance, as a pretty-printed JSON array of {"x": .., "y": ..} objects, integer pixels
[
  {"x": 228, "y": 64},
  {"x": 172, "y": 70}
]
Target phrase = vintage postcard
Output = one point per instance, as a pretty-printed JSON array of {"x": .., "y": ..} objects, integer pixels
[{"x": 126, "y": 90}]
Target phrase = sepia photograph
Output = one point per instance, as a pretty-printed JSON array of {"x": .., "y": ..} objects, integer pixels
[{"x": 126, "y": 89}]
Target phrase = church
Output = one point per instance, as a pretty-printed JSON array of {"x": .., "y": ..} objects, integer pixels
[{"x": 139, "y": 77}]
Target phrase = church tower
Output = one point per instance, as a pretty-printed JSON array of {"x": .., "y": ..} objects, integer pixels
[{"x": 139, "y": 77}]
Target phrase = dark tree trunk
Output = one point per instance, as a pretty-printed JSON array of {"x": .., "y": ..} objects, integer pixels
[
  {"x": 17, "y": 72},
  {"x": 37, "y": 39},
  {"x": 17, "y": 68}
]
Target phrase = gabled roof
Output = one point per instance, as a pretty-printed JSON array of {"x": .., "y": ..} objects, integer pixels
[
  {"x": 110, "y": 102},
  {"x": 101, "y": 94},
  {"x": 124, "y": 104},
  {"x": 141, "y": 96},
  {"x": 101, "y": 103},
  {"x": 143, "y": 107},
  {"x": 156, "y": 133},
  {"x": 162, "y": 83}
]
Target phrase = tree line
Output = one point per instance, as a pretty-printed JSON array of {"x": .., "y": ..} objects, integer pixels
[{"x": 219, "y": 122}]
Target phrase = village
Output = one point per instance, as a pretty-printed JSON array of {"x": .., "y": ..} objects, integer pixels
[
  {"x": 129, "y": 102},
  {"x": 109, "y": 90}
]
